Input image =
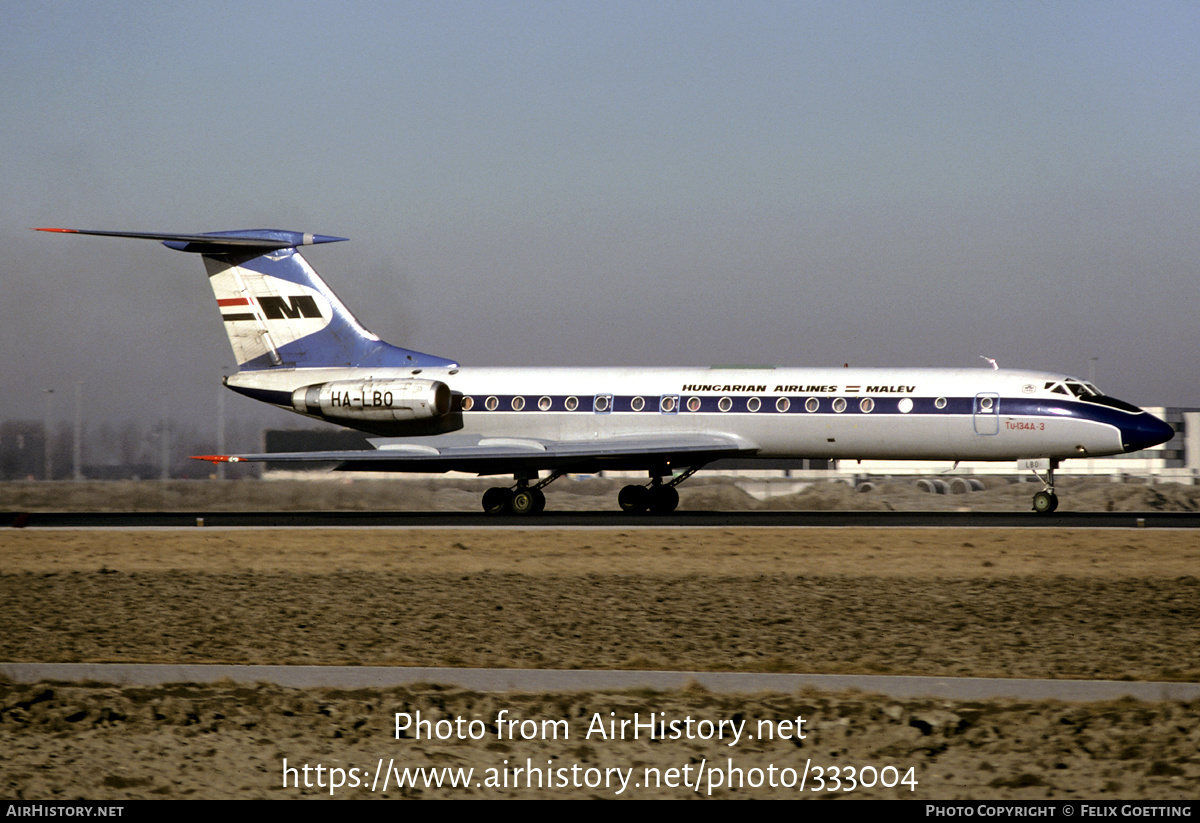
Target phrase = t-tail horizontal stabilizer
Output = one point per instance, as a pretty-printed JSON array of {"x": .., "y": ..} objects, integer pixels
[
  {"x": 277, "y": 311},
  {"x": 219, "y": 242}
]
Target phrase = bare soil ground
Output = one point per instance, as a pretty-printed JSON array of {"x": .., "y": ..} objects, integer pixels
[
  {"x": 226, "y": 741},
  {"x": 947, "y": 602},
  {"x": 1018, "y": 603}
]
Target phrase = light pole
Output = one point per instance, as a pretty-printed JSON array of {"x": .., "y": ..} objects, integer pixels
[
  {"x": 47, "y": 455},
  {"x": 166, "y": 443},
  {"x": 77, "y": 451}
]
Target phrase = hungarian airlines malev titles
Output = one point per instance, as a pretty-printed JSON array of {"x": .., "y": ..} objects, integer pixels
[{"x": 299, "y": 348}]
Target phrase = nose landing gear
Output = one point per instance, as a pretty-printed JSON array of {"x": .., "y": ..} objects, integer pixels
[{"x": 1046, "y": 501}]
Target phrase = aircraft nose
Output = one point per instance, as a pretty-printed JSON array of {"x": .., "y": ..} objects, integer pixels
[{"x": 1144, "y": 431}]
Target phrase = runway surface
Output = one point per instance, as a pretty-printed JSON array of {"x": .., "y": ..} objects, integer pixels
[
  {"x": 602, "y": 519},
  {"x": 560, "y": 680}
]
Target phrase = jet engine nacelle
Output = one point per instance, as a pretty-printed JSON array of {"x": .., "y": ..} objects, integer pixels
[{"x": 376, "y": 400}]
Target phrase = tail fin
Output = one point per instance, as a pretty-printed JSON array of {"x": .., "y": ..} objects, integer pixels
[{"x": 277, "y": 310}]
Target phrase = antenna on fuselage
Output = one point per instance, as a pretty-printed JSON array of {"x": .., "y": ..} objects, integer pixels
[{"x": 993, "y": 362}]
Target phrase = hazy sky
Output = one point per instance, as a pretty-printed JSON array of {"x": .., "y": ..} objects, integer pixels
[{"x": 578, "y": 183}]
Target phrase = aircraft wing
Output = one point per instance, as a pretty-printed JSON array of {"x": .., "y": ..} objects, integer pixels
[{"x": 505, "y": 455}]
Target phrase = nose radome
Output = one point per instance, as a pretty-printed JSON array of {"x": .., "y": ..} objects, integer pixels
[{"x": 1145, "y": 431}]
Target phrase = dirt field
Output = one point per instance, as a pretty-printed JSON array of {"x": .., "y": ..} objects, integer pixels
[
  {"x": 947, "y": 602},
  {"x": 62, "y": 742},
  {"x": 1016, "y": 603}
]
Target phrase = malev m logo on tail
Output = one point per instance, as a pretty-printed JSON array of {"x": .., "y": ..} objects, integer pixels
[
  {"x": 277, "y": 308},
  {"x": 273, "y": 307}
]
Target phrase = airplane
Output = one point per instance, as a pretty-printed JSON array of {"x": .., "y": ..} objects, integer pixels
[{"x": 299, "y": 348}]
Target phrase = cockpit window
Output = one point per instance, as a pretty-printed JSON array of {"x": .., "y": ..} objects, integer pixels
[
  {"x": 1073, "y": 388},
  {"x": 1080, "y": 389}
]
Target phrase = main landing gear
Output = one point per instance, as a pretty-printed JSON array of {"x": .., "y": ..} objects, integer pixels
[
  {"x": 657, "y": 498},
  {"x": 1046, "y": 501},
  {"x": 520, "y": 499}
]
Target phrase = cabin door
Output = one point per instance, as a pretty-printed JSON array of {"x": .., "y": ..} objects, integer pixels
[{"x": 987, "y": 413}]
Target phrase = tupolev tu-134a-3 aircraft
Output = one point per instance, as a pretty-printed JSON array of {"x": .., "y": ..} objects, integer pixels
[{"x": 298, "y": 348}]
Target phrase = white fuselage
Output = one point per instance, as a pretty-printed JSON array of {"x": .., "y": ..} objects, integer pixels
[{"x": 955, "y": 414}]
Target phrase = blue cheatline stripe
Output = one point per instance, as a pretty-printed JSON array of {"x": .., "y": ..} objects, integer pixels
[{"x": 798, "y": 405}]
